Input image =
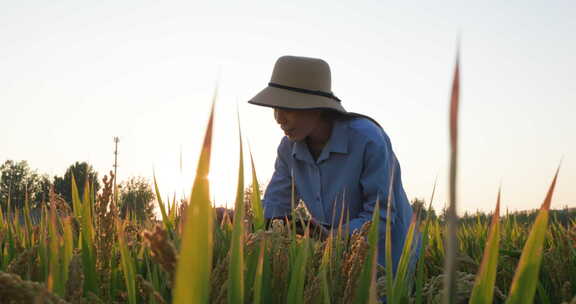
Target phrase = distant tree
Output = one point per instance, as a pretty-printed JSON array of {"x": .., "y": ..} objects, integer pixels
[
  {"x": 43, "y": 190},
  {"x": 136, "y": 199},
  {"x": 82, "y": 172},
  {"x": 419, "y": 205},
  {"x": 16, "y": 178}
]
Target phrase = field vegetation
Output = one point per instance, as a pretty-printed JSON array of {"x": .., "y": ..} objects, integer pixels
[{"x": 88, "y": 253}]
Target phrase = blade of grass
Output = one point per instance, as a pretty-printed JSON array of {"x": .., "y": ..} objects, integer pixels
[
  {"x": 451, "y": 217},
  {"x": 401, "y": 280},
  {"x": 420, "y": 271},
  {"x": 88, "y": 250},
  {"x": 1, "y": 219},
  {"x": 43, "y": 246},
  {"x": 390, "y": 292},
  {"x": 259, "y": 223},
  {"x": 76, "y": 203},
  {"x": 192, "y": 283},
  {"x": 68, "y": 246},
  {"x": 483, "y": 291},
  {"x": 236, "y": 267},
  {"x": 27, "y": 220},
  {"x": 165, "y": 219},
  {"x": 259, "y": 274},
  {"x": 127, "y": 263},
  {"x": 55, "y": 282},
  {"x": 298, "y": 272},
  {"x": 526, "y": 276},
  {"x": 366, "y": 280},
  {"x": 324, "y": 269}
]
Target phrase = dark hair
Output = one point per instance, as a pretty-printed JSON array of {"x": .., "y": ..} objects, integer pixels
[{"x": 332, "y": 115}]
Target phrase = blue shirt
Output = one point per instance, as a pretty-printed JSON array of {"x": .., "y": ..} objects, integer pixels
[{"x": 351, "y": 173}]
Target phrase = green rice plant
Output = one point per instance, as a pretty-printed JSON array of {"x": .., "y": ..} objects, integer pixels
[
  {"x": 402, "y": 278},
  {"x": 127, "y": 263},
  {"x": 450, "y": 264},
  {"x": 298, "y": 272},
  {"x": 165, "y": 219},
  {"x": 43, "y": 246},
  {"x": 83, "y": 212},
  {"x": 236, "y": 269},
  {"x": 256, "y": 202},
  {"x": 56, "y": 280},
  {"x": 68, "y": 250},
  {"x": 420, "y": 265},
  {"x": 483, "y": 291},
  {"x": 82, "y": 259},
  {"x": 192, "y": 284},
  {"x": 526, "y": 277},
  {"x": 390, "y": 292},
  {"x": 259, "y": 274},
  {"x": 28, "y": 221},
  {"x": 324, "y": 270},
  {"x": 366, "y": 290}
]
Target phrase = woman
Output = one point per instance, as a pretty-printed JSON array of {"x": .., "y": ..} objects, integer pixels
[{"x": 341, "y": 162}]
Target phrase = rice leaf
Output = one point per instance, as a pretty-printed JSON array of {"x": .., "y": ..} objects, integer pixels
[
  {"x": 43, "y": 245},
  {"x": 88, "y": 251},
  {"x": 165, "y": 219},
  {"x": 390, "y": 292},
  {"x": 298, "y": 272},
  {"x": 192, "y": 282},
  {"x": 76, "y": 203},
  {"x": 324, "y": 269},
  {"x": 1, "y": 219},
  {"x": 55, "y": 279},
  {"x": 259, "y": 223},
  {"x": 236, "y": 267},
  {"x": 483, "y": 291},
  {"x": 27, "y": 220},
  {"x": 526, "y": 276},
  {"x": 127, "y": 263},
  {"x": 259, "y": 274},
  {"x": 68, "y": 246},
  {"x": 420, "y": 271},
  {"x": 401, "y": 280},
  {"x": 366, "y": 285},
  {"x": 451, "y": 217}
]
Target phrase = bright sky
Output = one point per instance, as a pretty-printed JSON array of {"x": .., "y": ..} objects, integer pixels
[{"x": 74, "y": 74}]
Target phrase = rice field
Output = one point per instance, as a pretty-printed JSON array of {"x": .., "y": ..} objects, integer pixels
[{"x": 88, "y": 254}]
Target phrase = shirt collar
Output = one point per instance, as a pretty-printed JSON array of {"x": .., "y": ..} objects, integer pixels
[{"x": 338, "y": 143}]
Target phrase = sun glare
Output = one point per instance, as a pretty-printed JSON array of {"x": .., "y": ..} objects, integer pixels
[{"x": 222, "y": 189}]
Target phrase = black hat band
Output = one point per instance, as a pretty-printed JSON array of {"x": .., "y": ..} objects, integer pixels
[{"x": 305, "y": 91}]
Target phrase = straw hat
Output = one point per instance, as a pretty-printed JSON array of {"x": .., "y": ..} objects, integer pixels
[{"x": 299, "y": 83}]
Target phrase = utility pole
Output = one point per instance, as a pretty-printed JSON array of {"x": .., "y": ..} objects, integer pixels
[{"x": 116, "y": 141}]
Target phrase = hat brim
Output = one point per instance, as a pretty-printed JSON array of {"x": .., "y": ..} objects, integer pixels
[{"x": 285, "y": 99}]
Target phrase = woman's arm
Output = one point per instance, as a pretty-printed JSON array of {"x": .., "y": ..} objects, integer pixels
[
  {"x": 375, "y": 181},
  {"x": 276, "y": 200}
]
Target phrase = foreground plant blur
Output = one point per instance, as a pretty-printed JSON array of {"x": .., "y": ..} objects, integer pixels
[{"x": 91, "y": 255}]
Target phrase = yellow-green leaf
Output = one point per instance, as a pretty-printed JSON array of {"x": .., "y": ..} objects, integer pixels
[
  {"x": 526, "y": 277},
  {"x": 192, "y": 284},
  {"x": 236, "y": 267},
  {"x": 127, "y": 263},
  {"x": 483, "y": 291},
  {"x": 259, "y": 222}
]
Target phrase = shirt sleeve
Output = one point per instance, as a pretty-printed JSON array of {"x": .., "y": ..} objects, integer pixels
[
  {"x": 375, "y": 181},
  {"x": 276, "y": 200}
]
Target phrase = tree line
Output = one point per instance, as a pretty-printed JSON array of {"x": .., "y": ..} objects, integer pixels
[{"x": 19, "y": 182}]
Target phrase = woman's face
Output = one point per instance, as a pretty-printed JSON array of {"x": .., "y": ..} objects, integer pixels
[{"x": 297, "y": 124}]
